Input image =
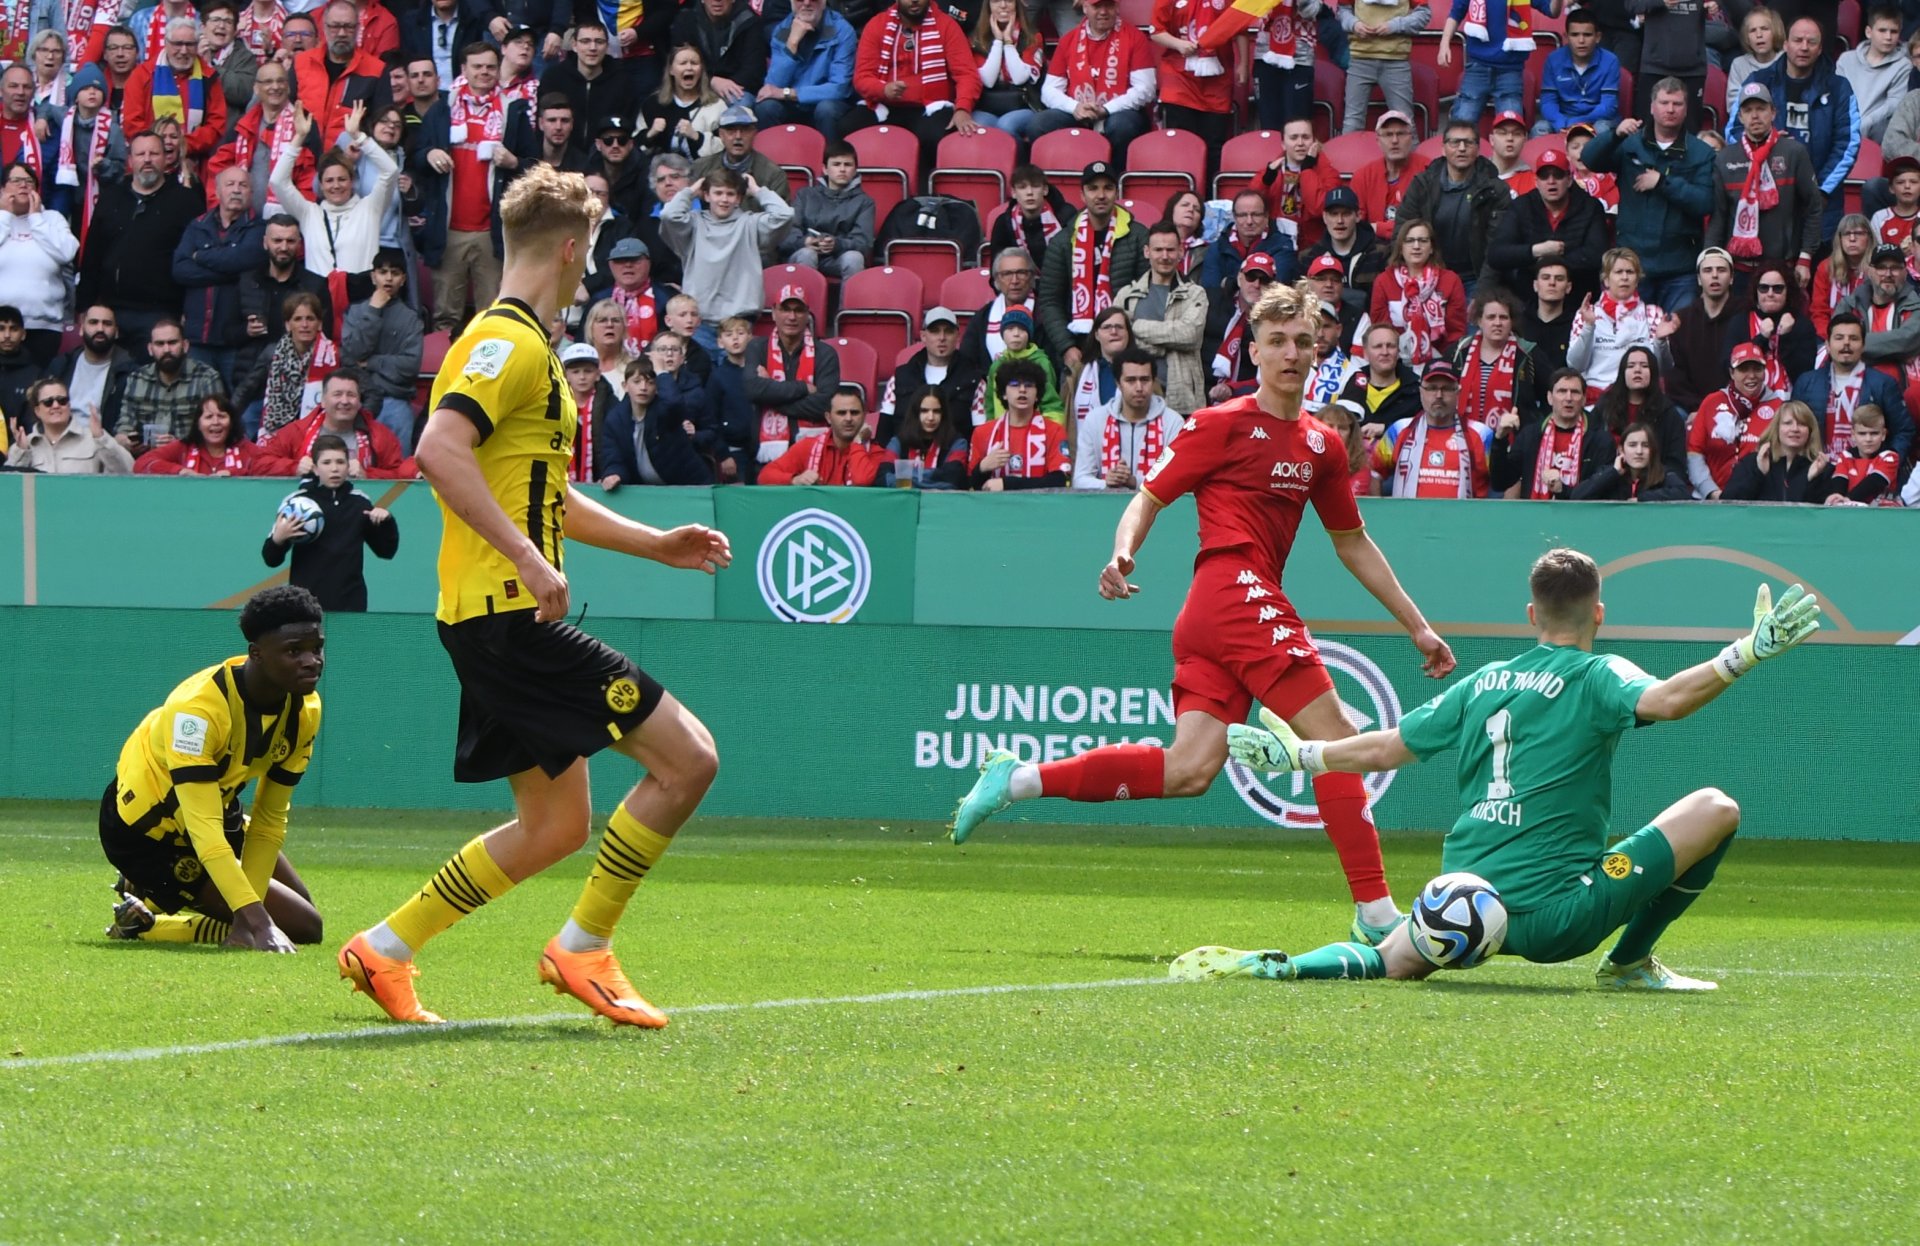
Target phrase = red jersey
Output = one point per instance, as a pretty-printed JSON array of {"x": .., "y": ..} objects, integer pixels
[
  {"x": 1419, "y": 462},
  {"x": 1878, "y": 472},
  {"x": 1251, "y": 475},
  {"x": 1379, "y": 198},
  {"x": 858, "y": 464},
  {"x": 1890, "y": 229},
  {"x": 1725, "y": 427},
  {"x": 1037, "y": 449}
]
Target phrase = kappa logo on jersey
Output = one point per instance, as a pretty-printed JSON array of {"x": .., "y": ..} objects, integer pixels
[
  {"x": 1280, "y": 633},
  {"x": 189, "y": 735},
  {"x": 1257, "y": 592},
  {"x": 487, "y": 358},
  {"x": 1617, "y": 865},
  {"x": 1371, "y": 703},
  {"x": 1258, "y": 434},
  {"x": 1267, "y": 614},
  {"x": 1315, "y": 442},
  {"x": 1247, "y": 577}
]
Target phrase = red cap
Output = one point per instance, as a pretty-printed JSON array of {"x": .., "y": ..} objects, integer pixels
[
  {"x": 790, "y": 294},
  {"x": 1747, "y": 352},
  {"x": 1553, "y": 158},
  {"x": 1509, "y": 118},
  {"x": 1327, "y": 264},
  {"x": 1259, "y": 262}
]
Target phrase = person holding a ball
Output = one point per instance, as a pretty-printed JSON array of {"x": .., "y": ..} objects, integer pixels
[{"x": 327, "y": 524}]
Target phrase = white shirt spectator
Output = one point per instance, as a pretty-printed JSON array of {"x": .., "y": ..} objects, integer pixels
[
  {"x": 1106, "y": 437},
  {"x": 36, "y": 262}
]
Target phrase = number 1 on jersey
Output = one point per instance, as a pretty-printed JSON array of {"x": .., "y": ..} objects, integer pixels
[{"x": 1499, "y": 727}]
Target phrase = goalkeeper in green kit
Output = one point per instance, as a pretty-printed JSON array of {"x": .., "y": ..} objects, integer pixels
[{"x": 1536, "y": 735}]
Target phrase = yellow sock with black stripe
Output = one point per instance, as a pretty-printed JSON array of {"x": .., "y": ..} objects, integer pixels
[
  {"x": 186, "y": 928},
  {"x": 627, "y": 851},
  {"x": 464, "y": 883}
]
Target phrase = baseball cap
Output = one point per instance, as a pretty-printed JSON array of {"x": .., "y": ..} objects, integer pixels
[
  {"x": 1016, "y": 317},
  {"x": 1555, "y": 160},
  {"x": 737, "y": 115},
  {"x": 579, "y": 352},
  {"x": 1509, "y": 117},
  {"x": 1259, "y": 262},
  {"x": 629, "y": 249},
  {"x": 1747, "y": 352},
  {"x": 1341, "y": 197},
  {"x": 1713, "y": 253},
  {"x": 1392, "y": 114},
  {"x": 1887, "y": 253},
  {"x": 1097, "y": 170},
  {"x": 1899, "y": 164},
  {"x": 1754, "y": 91},
  {"x": 614, "y": 125},
  {"x": 1440, "y": 370},
  {"x": 1327, "y": 264},
  {"x": 940, "y": 315},
  {"x": 518, "y": 32},
  {"x": 791, "y": 294},
  {"x": 1581, "y": 127}
]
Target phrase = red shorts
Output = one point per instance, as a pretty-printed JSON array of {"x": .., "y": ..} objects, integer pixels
[{"x": 1238, "y": 640}]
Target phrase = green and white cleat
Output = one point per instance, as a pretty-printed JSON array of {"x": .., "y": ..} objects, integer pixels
[
  {"x": 987, "y": 797},
  {"x": 1647, "y": 975},
  {"x": 1206, "y": 963},
  {"x": 1373, "y": 936}
]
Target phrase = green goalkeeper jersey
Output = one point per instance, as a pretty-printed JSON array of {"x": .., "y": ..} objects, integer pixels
[{"x": 1536, "y": 736}]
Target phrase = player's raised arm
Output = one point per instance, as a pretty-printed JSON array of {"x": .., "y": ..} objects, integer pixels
[
  {"x": 1369, "y": 566},
  {"x": 1135, "y": 522},
  {"x": 693, "y": 546},
  {"x": 447, "y": 460},
  {"x": 1776, "y": 629},
  {"x": 1277, "y": 749}
]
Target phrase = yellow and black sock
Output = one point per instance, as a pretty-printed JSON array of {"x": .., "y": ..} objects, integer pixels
[
  {"x": 627, "y": 851},
  {"x": 187, "y": 927},
  {"x": 464, "y": 883}
]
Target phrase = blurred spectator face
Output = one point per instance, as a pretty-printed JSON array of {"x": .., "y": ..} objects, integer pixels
[
  {"x": 283, "y": 245},
  {"x": 391, "y": 280},
  {"x": 341, "y": 23},
  {"x": 734, "y": 341},
  {"x": 1883, "y": 36},
  {"x": 940, "y": 339},
  {"x": 598, "y": 185},
  {"x": 737, "y": 139},
  {"x": 16, "y": 90},
  {"x": 13, "y": 336},
  {"x": 1552, "y": 284},
  {"x": 397, "y": 81},
  {"x": 1583, "y": 36},
  {"x": 49, "y": 55},
  {"x": 791, "y": 319},
  {"x": 1750, "y": 379},
  {"x": 1102, "y": 17},
  {"x": 271, "y": 86},
  {"x": 1669, "y": 110},
  {"x": 121, "y": 54},
  {"x": 1496, "y": 323},
  {"x": 912, "y": 10},
  {"x": 299, "y": 34},
  {"x": 1506, "y": 141},
  {"x": 642, "y": 388},
  {"x": 389, "y": 129},
  {"x": 1250, "y": 216},
  {"x": 1552, "y": 183},
  {"x": 516, "y": 57},
  {"x": 19, "y": 191},
  {"x": 168, "y": 347},
  {"x": 1013, "y": 277},
  {"x": 1757, "y": 31},
  {"x": 846, "y": 414},
  {"x": 685, "y": 71},
  {"x": 615, "y": 146},
  {"x": 590, "y": 45},
  {"x": 1163, "y": 254},
  {"x": 556, "y": 126},
  {"x": 183, "y": 46},
  {"x": 303, "y": 327},
  {"x": 1416, "y": 247},
  {"x": 1623, "y": 279},
  {"x": 1795, "y": 432},
  {"x": 1868, "y": 438},
  {"x": 482, "y": 70},
  {"x": 146, "y": 157},
  {"x": 99, "y": 330},
  {"x": 683, "y": 317},
  {"x": 331, "y": 467},
  {"x": 717, "y": 9},
  {"x": 632, "y": 274},
  {"x": 340, "y": 400},
  {"x": 1136, "y": 388},
  {"x": 1577, "y": 143},
  {"x": 1756, "y": 118},
  {"x": 1887, "y": 280},
  {"x": 1326, "y": 338},
  {"x": 1803, "y": 45},
  {"x": 1636, "y": 450},
  {"x": 1252, "y": 286},
  {"x": 336, "y": 184},
  {"x": 215, "y": 424},
  {"x": 668, "y": 353},
  {"x": 1770, "y": 292},
  {"x": 1568, "y": 395},
  {"x": 1021, "y": 397},
  {"x": 581, "y": 378},
  {"x": 1016, "y": 337},
  {"x": 933, "y": 414},
  {"x": 1186, "y": 213},
  {"x": 1440, "y": 399},
  {"x": 234, "y": 191},
  {"x": 1845, "y": 344},
  {"x": 90, "y": 100},
  {"x": 1114, "y": 335},
  {"x": 1637, "y": 371},
  {"x": 1298, "y": 137},
  {"x": 1462, "y": 147},
  {"x": 1383, "y": 350},
  {"x": 1716, "y": 277},
  {"x": 1101, "y": 194},
  {"x": 168, "y": 128},
  {"x": 423, "y": 80},
  {"x": 667, "y": 182},
  {"x": 220, "y": 26},
  {"x": 722, "y": 201},
  {"x": 1396, "y": 140},
  {"x": 606, "y": 329},
  {"x": 1342, "y": 223}
]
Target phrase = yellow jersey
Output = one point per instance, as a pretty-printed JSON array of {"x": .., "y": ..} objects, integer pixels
[
  {"x": 189, "y": 758},
  {"x": 503, "y": 375}
]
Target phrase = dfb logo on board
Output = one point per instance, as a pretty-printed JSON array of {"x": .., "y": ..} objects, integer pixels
[
  {"x": 814, "y": 568},
  {"x": 1372, "y": 704}
]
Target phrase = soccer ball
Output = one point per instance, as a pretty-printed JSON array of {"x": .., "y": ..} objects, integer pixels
[
  {"x": 306, "y": 512},
  {"x": 1457, "y": 921}
]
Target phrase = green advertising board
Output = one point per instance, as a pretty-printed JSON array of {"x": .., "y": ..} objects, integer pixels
[{"x": 817, "y": 555}]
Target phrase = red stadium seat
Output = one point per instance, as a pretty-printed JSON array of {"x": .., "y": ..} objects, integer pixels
[
  {"x": 1137, "y": 12},
  {"x": 966, "y": 292},
  {"x": 1064, "y": 153},
  {"x": 433, "y": 351},
  {"x": 1243, "y": 156},
  {"x": 1716, "y": 96},
  {"x": 1161, "y": 163},
  {"x": 976, "y": 167},
  {"x": 1850, "y": 24},
  {"x": 857, "y": 367},
  {"x": 889, "y": 161},
  {"x": 812, "y": 280},
  {"x": 1347, "y": 153},
  {"x": 1868, "y": 163},
  {"x": 1537, "y": 147},
  {"x": 1426, "y": 51},
  {"x": 799, "y": 149},
  {"x": 986, "y": 232},
  {"x": 933, "y": 259},
  {"x": 1426, "y": 100},
  {"x": 881, "y": 307}
]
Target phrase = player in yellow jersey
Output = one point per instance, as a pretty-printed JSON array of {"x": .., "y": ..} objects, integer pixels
[
  {"x": 170, "y": 820},
  {"x": 537, "y": 696}
]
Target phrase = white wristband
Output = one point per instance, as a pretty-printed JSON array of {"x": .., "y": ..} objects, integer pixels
[
  {"x": 1730, "y": 664},
  {"x": 1310, "y": 759}
]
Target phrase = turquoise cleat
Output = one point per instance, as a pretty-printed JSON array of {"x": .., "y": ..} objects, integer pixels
[
  {"x": 1206, "y": 963},
  {"x": 1371, "y": 935},
  {"x": 1647, "y": 975},
  {"x": 987, "y": 797}
]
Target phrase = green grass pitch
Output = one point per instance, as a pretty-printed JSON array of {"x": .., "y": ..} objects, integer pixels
[{"x": 1514, "y": 1103}]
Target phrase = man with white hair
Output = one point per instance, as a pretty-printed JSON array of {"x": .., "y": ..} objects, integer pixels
[{"x": 178, "y": 84}]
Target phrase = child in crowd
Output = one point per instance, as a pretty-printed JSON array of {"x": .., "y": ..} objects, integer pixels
[
  {"x": 726, "y": 389},
  {"x": 1893, "y": 226},
  {"x": 1866, "y": 473},
  {"x": 832, "y": 220},
  {"x": 1033, "y": 216},
  {"x": 1499, "y": 38},
  {"x": 683, "y": 317},
  {"x": 328, "y": 565},
  {"x": 721, "y": 244},
  {"x": 1600, "y": 185},
  {"x": 1016, "y": 330}
]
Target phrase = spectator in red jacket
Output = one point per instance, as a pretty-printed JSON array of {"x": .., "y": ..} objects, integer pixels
[
  {"x": 376, "y": 451},
  {"x": 178, "y": 85},
  {"x": 1196, "y": 89},
  {"x": 1382, "y": 183},
  {"x": 1022, "y": 449},
  {"x": 929, "y": 87},
  {"x": 215, "y": 446},
  {"x": 1296, "y": 185},
  {"x": 844, "y": 455},
  {"x": 331, "y": 78}
]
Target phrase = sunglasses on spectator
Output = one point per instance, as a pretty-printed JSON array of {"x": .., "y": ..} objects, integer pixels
[
  {"x": 1257, "y": 278},
  {"x": 55, "y": 400},
  {"x": 1771, "y": 288},
  {"x": 617, "y": 140}
]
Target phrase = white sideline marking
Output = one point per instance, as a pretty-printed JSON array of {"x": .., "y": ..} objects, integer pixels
[{"x": 137, "y": 1055}]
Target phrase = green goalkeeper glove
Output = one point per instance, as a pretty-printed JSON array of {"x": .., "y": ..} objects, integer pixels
[
  {"x": 1274, "y": 750},
  {"x": 1776, "y": 629}
]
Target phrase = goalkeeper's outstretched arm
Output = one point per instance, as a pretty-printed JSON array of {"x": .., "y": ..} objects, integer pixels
[
  {"x": 1367, "y": 753},
  {"x": 1276, "y": 749},
  {"x": 1776, "y": 629}
]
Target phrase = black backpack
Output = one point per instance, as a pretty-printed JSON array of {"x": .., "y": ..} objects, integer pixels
[{"x": 939, "y": 218}]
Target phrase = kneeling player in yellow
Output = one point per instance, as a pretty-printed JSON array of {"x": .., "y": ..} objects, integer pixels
[
  {"x": 537, "y": 696},
  {"x": 170, "y": 820}
]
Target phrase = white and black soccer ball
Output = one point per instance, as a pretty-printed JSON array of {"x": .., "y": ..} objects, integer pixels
[
  {"x": 306, "y": 512},
  {"x": 1457, "y": 921}
]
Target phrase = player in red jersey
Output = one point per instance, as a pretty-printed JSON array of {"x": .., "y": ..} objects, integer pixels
[{"x": 1253, "y": 464}]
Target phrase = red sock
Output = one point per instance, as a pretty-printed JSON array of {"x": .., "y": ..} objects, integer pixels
[
  {"x": 1116, "y": 772},
  {"x": 1343, "y": 807}
]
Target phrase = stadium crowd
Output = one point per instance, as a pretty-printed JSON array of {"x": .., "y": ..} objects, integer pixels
[{"x": 1650, "y": 250}]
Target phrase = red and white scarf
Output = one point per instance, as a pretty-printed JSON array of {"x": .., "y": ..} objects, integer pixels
[
  {"x": 1757, "y": 196},
  {"x": 1881, "y": 320},
  {"x": 325, "y": 358},
  {"x": 19, "y": 135},
  {"x": 580, "y": 471},
  {"x": 53, "y": 93},
  {"x": 1839, "y": 292},
  {"x": 1841, "y": 400},
  {"x": 197, "y": 462},
  {"x": 1022, "y": 232},
  {"x": 526, "y": 90},
  {"x": 1095, "y": 65},
  {"x": 1144, "y": 453},
  {"x": 776, "y": 430},
  {"x": 1601, "y": 186},
  {"x": 1570, "y": 464},
  {"x": 1486, "y": 389},
  {"x": 1226, "y": 360},
  {"x": 13, "y": 44},
  {"x": 362, "y": 441},
  {"x": 1031, "y": 458},
  {"x": 82, "y": 17},
  {"x": 1190, "y": 253},
  {"x": 1200, "y": 15},
  {"x": 1779, "y": 385},
  {"x": 157, "y": 20},
  {"x": 261, "y": 34},
  {"x": 1513, "y": 18},
  {"x": 468, "y": 109},
  {"x": 643, "y": 320},
  {"x": 1418, "y": 310},
  {"x": 1410, "y": 466},
  {"x": 1092, "y": 268},
  {"x": 916, "y": 55},
  {"x": 244, "y": 137},
  {"x": 1283, "y": 35},
  {"x": 67, "y": 172}
]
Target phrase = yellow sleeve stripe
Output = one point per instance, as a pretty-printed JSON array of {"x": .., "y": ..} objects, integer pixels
[{"x": 469, "y": 406}]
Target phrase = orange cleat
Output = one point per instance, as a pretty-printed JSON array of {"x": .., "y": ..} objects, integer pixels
[
  {"x": 594, "y": 978},
  {"x": 387, "y": 982}
]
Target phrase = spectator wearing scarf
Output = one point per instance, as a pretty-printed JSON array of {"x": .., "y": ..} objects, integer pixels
[
  {"x": 1602, "y": 331},
  {"x": 1101, "y": 252},
  {"x": 1767, "y": 201},
  {"x": 1438, "y": 453},
  {"x": 1545, "y": 459},
  {"x": 1419, "y": 296},
  {"x": 1122, "y": 439},
  {"x": 88, "y": 138},
  {"x": 915, "y": 68},
  {"x": 1101, "y": 78},
  {"x": 179, "y": 86}
]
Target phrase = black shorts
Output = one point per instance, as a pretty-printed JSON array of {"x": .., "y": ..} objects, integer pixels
[
  {"x": 539, "y": 694},
  {"x": 165, "y": 872}
]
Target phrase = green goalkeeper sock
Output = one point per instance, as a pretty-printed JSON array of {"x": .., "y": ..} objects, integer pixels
[
  {"x": 1339, "y": 960},
  {"x": 1637, "y": 940}
]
